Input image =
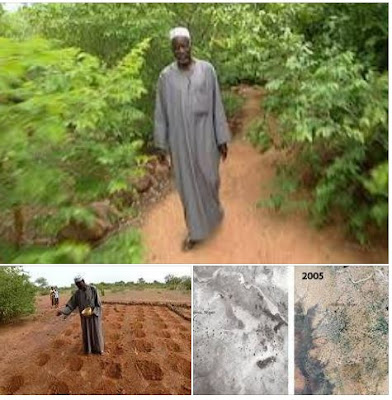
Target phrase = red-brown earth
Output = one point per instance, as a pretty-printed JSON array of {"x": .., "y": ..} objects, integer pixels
[{"x": 147, "y": 351}]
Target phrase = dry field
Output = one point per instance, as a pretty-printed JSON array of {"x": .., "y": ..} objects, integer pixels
[{"x": 147, "y": 350}]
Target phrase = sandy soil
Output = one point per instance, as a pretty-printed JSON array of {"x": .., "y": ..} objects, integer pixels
[
  {"x": 250, "y": 234},
  {"x": 341, "y": 331},
  {"x": 148, "y": 351}
]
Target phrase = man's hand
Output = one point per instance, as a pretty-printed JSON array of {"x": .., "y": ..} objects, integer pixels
[
  {"x": 223, "y": 151},
  {"x": 164, "y": 158},
  {"x": 161, "y": 155}
]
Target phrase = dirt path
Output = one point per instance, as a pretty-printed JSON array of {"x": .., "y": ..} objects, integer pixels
[
  {"x": 147, "y": 351},
  {"x": 249, "y": 234}
]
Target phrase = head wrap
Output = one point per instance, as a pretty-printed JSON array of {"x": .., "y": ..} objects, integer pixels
[
  {"x": 78, "y": 278},
  {"x": 179, "y": 32}
]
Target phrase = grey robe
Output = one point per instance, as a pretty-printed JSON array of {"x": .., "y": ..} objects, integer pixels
[
  {"x": 91, "y": 326},
  {"x": 190, "y": 123}
]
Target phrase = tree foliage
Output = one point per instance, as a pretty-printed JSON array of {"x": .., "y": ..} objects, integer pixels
[
  {"x": 42, "y": 283},
  {"x": 171, "y": 283},
  {"x": 77, "y": 88},
  {"x": 110, "y": 32},
  {"x": 178, "y": 282},
  {"x": 59, "y": 148},
  {"x": 330, "y": 95},
  {"x": 17, "y": 294}
]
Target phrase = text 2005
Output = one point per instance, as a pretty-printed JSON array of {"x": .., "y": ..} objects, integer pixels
[{"x": 312, "y": 275}]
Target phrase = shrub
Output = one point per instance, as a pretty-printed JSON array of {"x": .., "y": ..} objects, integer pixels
[
  {"x": 259, "y": 137},
  {"x": 331, "y": 100},
  {"x": 178, "y": 283},
  {"x": 232, "y": 103},
  {"x": 17, "y": 294},
  {"x": 59, "y": 150},
  {"x": 336, "y": 115},
  {"x": 125, "y": 247}
]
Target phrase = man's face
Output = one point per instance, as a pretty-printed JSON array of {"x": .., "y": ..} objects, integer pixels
[
  {"x": 81, "y": 285},
  {"x": 181, "y": 47}
]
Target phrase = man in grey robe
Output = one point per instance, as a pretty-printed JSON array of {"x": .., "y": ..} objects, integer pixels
[
  {"x": 87, "y": 300},
  {"x": 191, "y": 126}
]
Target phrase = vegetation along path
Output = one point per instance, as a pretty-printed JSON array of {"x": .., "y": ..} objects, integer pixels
[{"x": 250, "y": 234}]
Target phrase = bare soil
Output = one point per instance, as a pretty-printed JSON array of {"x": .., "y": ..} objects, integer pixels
[
  {"x": 249, "y": 234},
  {"x": 147, "y": 351}
]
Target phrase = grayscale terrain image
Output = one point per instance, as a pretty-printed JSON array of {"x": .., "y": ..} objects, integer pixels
[{"x": 240, "y": 325}]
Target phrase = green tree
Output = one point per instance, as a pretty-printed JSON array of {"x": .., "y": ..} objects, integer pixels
[
  {"x": 101, "y": 288},
  {"x": 171, "y": 279},
  {"x": 186, "y": 283},
  {"x": 331, "y": 100},
  {"x": 42, "y": 283},
  {"x": 58, "y": 147},
  {"x": 76, "y": 108},
  {"x": 15, "y": 24},
  {"x": 109, "y": 32},
  {"x": 17, "y": 294},
  {"x": 178, "y": 283}
]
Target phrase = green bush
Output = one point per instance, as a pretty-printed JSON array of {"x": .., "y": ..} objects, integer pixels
[
  {"x": 17, "y": 294},
  {"x": 101, "y": 289},
  {"x": 178, "y": 283},
  {"x": 232, "y": 103},
  {"x": 110, "y": 32},
  {"x": 77, "y": 89},
  {"x": 59, "y": 149},
  {"x": 125, "y": 247},
  {"x": 64, "y": 253},
  {"x": 331, "y": 101},
  {"x": 331, "y": 109},
  {"x": 258, "y": 136}
]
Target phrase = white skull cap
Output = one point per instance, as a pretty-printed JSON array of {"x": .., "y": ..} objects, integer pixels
[
  {"x": 179, "y": 32},
  {"x": 78, "y": 278}
]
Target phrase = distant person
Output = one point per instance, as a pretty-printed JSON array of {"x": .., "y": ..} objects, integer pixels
[
  {"x": 51, "y": 295},
  {"x": 87, "y": 300},
  {"x": 191, "y": 126},
  {"x": 56, "y": 297}
]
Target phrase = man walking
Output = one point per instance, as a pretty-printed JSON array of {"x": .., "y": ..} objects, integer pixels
[
  {"x": 190, "y": 125},
  {"x": 87, "y": 300}
]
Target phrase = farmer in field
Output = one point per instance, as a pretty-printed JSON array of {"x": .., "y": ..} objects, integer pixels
[
  {"x": 87, "y": 300},
  {"x": 191, "y": 126}
]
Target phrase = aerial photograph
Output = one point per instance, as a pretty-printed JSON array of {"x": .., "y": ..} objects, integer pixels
[{"x": 341, "y": 330}]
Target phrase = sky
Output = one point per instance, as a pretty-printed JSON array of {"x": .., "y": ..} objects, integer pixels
[
  {"x": 11, "y": 6},
  {"x": 64, "y": 275}
]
